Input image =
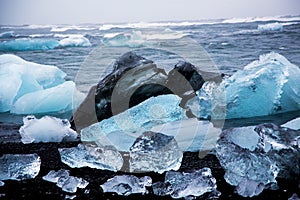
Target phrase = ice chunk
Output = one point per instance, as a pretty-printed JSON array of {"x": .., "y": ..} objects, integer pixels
[
  {"x": 46, "y": 129},
  {"x": 127, "y": 184},
  {"x": 46, "y": 101},
  {"x": 249, "y": 188},
  {"x": 293, "y": 124},
  {"x": 53, "y": 176},
  {"x": 180, "y": 185},
  {"x": 75, "y": 41},
  {"x": 93, "y": 156},
  {"x": 190, "y": 134},
  {"x": 1, "y": 183},
  {"x": 19, "y": 166},
  {"x": 294, "y": 197},
  {"x": 18, "y": 77},
  {"x": 267, "y": 86},
  {"x": 270, "y": 27},
  {"x": 138, "y": 119},
  {"x": 154, "y": 152},
  {"x": 257, "y": 155},
  {"x": 65, "y": 181},
  {"x": 25, "y": 44},
  {"x": 131, "y": 39}
]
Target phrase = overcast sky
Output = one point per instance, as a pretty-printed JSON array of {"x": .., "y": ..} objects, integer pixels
[{"x": 112, "y": 11}]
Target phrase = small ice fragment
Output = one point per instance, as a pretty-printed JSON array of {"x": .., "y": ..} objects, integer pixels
[
  {"x": 294, "y": 197},
  {"x": 249, "y": 188},
  {"x": 65, "y": 181},
  {"x": 53, "y": 176},
  {"x": 93, "y": 156},
  {"x": 19, "y": 166},
  {"x": 186, "y": 185},
  {"x": 1, "y": 183},
  {"x": 293, "y": 124},
  {"x": 70, "y": 196},
  {"x": 46, "y": 129},
  {"x": 126, "y": 185},
  {"x": 70, "y": 184},
  {"x": 155, "y": 152}
]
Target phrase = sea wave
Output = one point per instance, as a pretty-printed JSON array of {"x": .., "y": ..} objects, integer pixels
[
  {"x": 270, "y": 27},
  {"x": 262, "y": 19},
  {"x": 7, "y": 34},
  {"x": 29, "y": 44}
]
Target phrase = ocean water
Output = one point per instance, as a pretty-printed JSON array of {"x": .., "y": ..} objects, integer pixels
[{"x": 224, "y": 46}]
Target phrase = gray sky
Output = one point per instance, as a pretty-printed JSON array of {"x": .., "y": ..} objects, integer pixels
[{"x": 111, "y": 11}]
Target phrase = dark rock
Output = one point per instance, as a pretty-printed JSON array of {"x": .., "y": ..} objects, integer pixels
[{"x": 133, "y": 80}]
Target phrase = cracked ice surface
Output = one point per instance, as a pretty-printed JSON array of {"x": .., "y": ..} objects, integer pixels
[
  {"x": 155, "y": 152},
  {"x": 181, "y": 184},
  {"x": 127, "y": 184},
  {"x": 19, "y": 166},
  {"x": 93, "y": 156},
  {"x": 65, "y": 181},
  {"x": 140, "y": 118},
  {"x": 46, "y": 129},
  {"x": 257, "y": 155}
]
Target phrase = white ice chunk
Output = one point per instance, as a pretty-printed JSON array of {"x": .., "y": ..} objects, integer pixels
[
  {"x": 127, "y": 184},
  {"x": 1, "y": 183},
  {"x": 19, "y": 166},
  {"x": 93, "y": 156},
  {"x": 46, "y": 129},
  {"x": 155, "y": 152},
  {"x": 75, "y": 41},
  {"x": 62, "y": 98}
]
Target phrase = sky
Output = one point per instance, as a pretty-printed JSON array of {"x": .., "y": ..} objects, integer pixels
[{"x": 117, "y": 11}]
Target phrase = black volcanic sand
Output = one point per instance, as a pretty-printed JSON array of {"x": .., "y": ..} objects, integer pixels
[{"x": 37, "y": 188}]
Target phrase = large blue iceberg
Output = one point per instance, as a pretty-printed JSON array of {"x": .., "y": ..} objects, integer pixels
[
  {"x": 265, "y": 87},
  {"x": 28, "y": 88}
]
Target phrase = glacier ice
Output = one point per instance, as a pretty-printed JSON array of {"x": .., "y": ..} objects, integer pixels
[
  {"x": 257, "y": 155},
  {"x": 25, "y": 44},
  {"x": 265, "y": 87},
  {"x": 46, "y": 129},
  {"x": 249, "y": 188},
  {"x": 18, "y": 77},
  {"x": 191, "y": 135},
  {"x": 138, "y": 119},
  {"x": 127, "y": 184},
  {"x": 61, "y": 98},
  {"x": 183, "y": 184},
  {"x": 93, "y": 156},
  {"x": 29, "y": 44},
  {"x": 75, "y": 41},
  {"x": 133, "y": 39},
  {"x": 65, "y": 181},
  {"x": 293, "y": 124},
  {"x": 19, "y": 166},
  {"x": 294, "y": 197},
  {"x": 154, "y": 152},
  {"x": 270, "y": 27}
]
